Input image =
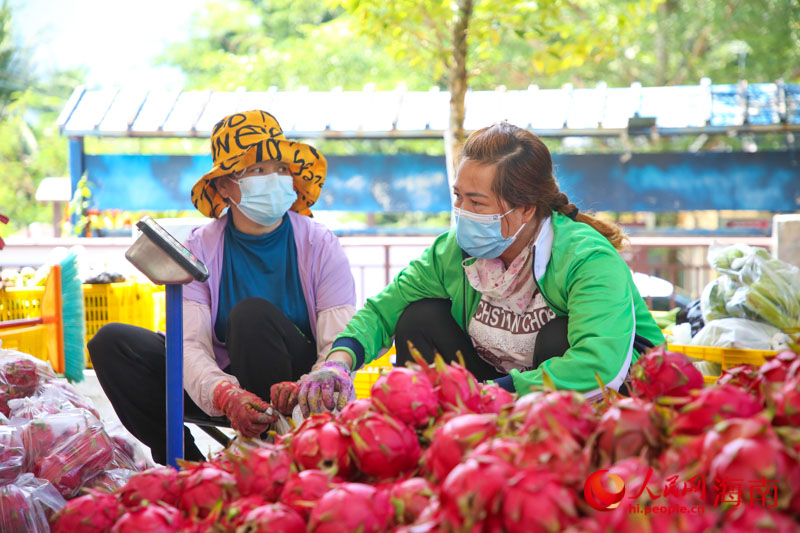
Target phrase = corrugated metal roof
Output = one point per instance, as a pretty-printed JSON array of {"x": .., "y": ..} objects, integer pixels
[{"x": 599, "y": 111}]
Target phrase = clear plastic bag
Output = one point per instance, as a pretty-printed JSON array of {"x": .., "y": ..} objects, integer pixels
[
  {"x": 752, "y": 285},
  {"x": 27, "y": 504},
  {"x": 20, "y": 375},
  {"x": 12, "y": 453},
  {"x": 128, "y": 452},
  {"x": 738, "y": 333},
  {"x": 75, "y": 457},
  {"x": 44, "y": 433},
  {"x": 110, "y": 480}
]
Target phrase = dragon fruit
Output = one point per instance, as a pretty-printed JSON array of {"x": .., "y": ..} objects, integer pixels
[
  {"x": 713, "y": 404},
  {"x": 639, "y": 477},
  {"x": 273, "y": 518},
  {"x": 567, "y": 410},
  {"x": 454, "y": 439},
  {"x": 303, "y": 490},
  {"x": 730, "y": 429},
  {"x": 111, "y": 480},
  {"x": 682, "y": 455},
  {"x": 18, "y": 513},
  {"x": 74, "y": 461},
  {"x": 406, "y": 394},
  {"x": 787, "y": 408},
  {"x": 40, "y": 435},
  {"x": 555, "y": 507},
  {"x": 232, "y": 515},
  {"x": 94, "y": 512},
  {"x": 155, "y": 518},
  {"x": 384, "y": 446},
  {"x": 744, "y": 377},
  {"x": 204, "y": 487},
  {"x": 471, "y": 494},
  {"x": 663, "y": 373},
  {"x": 776, "y": 369},
  {"x": 353, "y": 411},
  {"x": 18, "y": 376},
  {"x": 671, "y": 522},
  {"x": 321, "y": 443},
  {"x": 494, "y": 398},
  {"x": 410, "y": 498},
  {"x": 158, "y": 484},
  {"x": 262, "y": 471},
  {"x": 630, "y": 427},
  {"x": 351, "y": 507},
  {"x": 756, "y": 519},
  {"x": 456, "y": 387},
  {"x": 748, "y": 459},
  {"x": 12, "y": 453}
]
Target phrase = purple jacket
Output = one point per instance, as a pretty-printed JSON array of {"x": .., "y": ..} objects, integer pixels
[{"x": 323, "y": 267}]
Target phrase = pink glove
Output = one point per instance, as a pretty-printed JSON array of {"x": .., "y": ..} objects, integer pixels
[
  {"x": 284, "y": 396},
  {"x": 249, "y": 414},
  {"x": 318, "y": 387}
]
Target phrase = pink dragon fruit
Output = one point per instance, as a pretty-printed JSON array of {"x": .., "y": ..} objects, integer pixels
[
  {"x": 155, "y": 518},
  {"x": 639, "y": 477},
  {"x": 630, "y": 427},
  {"x": 776, "y": 369},
  {"x": 410, "y": 498},
  {"x": 19, "y": 376},
  {"x": 524, "y": 404},
  {"x": 787, "y": 409},
  {"x": 40, "y": 435},
  {"x": 406, "y": 394},
  {"x": 273, "y": 518},
  {"x": 756, "y": 519},
  {"x": 12, "y": 453},
  {"x": 456, "y": 387},
  {"x": 204, "y": 487},
  {"x": 471, "y": 494},
  {"x": 730, "y": 429},
  {"x": 631, "y": 521},
  {"x": 713, "y": 404},
  {"x": 567, "y": 410},
  {"x": 384, "y": 446},
  {"x": 158, "y": 484},
  {"x": 351, "y": 507},
  {"x": 751, "y": 459},
  {"x": 353, "y": 411},
  {"x": 75, "y": 461},
  {"x": 321, "y": 443},
  {"x": 94, "y": 512},
  {"x": 110, "y": 481},
  {"x": 232, "y": 515},
  {"x": 555, "y": 507},
  {"x": 662, "y": 373},
  {"x": 745, "y": 377},
  {"x": 494, "y": 398},
  {"x": 682, "y": 455},
  {"x": 18, "y": 513},
  {"x": 262, "y": 471},
  {"x": 303, "y": 490},
  {"x": 454, "y": 439}
]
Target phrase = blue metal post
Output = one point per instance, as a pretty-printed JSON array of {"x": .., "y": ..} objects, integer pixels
[
  {"x": 174, "y": 374},
  {"x": 76, "y": 167}
]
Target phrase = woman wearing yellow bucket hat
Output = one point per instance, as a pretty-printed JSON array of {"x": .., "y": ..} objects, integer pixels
[{"x": 279, "y": 291}]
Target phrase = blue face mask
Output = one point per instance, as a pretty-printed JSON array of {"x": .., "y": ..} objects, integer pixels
[
  {"x": 266, "y": 198},
  {"x": 481, "y": 236}
]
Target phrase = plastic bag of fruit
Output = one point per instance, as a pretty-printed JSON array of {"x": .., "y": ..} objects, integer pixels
[
  {"x": 12, "y": 453},
  {"x": 50, "y": 397},
  {"x": 20, "y": 375},
  {"x": 111, "y": 480},
  {"x": 67, "y": 449},
  {"x": 27, "y": 504},
  {"x": 128, "y": 453}
]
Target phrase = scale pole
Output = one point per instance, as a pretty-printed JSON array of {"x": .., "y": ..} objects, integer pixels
[{"x": 174, "y": 373}]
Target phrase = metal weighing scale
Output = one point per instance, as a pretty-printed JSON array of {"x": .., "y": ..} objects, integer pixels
[{"x": 165, "y": 261}]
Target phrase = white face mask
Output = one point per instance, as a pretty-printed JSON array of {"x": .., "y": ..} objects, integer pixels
[{"x": 266, "y": 198}]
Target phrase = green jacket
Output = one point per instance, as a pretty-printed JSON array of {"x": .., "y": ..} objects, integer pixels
[{"x": 580, "y": 275}]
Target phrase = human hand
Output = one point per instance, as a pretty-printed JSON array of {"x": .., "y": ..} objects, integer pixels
[
  {"x": 249, "y": 414},
  {"x": 283, "y": 396},
  {"x": 318, "y": 387}
]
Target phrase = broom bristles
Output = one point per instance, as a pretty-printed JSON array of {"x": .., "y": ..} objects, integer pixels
[{"x": 73, "y": 318}]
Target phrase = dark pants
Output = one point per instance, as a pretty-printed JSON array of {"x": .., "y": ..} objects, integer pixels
[
  {"x": 429, "y": 325},
  {"x": 265, "y": 348}
]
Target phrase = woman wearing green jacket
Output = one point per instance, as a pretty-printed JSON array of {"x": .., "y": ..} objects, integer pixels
[{"x": 523, "y": 285}]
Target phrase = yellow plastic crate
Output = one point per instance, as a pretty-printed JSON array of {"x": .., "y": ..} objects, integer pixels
[
  {"x": 20, "y": 302},
  {"x": 370, "y": 373},
  {"x": 727, "y": 357},
  {"x": 30, "y": 339}
]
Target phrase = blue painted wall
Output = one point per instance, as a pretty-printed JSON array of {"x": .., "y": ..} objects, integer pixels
[{"x": 406, "y": 182}]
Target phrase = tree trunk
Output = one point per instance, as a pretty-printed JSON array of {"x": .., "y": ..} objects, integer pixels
[{"x": 457, "y": 85}]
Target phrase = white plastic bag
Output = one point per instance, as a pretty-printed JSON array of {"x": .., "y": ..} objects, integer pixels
[{"x": 738, "y": 333}]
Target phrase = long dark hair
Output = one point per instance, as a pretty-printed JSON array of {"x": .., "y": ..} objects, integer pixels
[{"x": 525, "y": 175}]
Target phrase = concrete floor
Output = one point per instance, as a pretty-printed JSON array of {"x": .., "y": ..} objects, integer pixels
[{"x": 90, "y": 387}]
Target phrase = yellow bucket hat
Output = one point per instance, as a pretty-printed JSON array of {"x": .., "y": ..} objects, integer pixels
[{"x": 243, "y": 139}]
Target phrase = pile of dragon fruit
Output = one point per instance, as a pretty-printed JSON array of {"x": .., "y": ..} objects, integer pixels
[
  {"x": 52, "y": 445},
  {"x": 434, "y": 450}
]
